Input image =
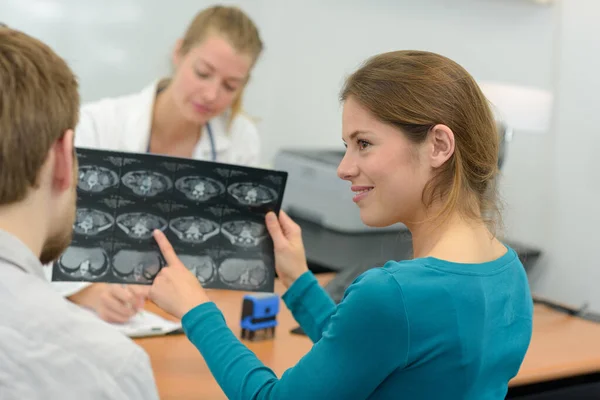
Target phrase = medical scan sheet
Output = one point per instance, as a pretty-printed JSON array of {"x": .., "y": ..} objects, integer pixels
[{"x": 212, "y": 213}]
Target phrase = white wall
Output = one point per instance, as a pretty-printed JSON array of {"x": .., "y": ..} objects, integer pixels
[
  {"x": 572, "y": 272},
  {"x": 118, "y": 46},
  {"x": 312, "y": 52}
]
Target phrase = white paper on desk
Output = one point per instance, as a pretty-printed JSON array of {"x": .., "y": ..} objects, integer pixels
[{"x": 146, "y": 323}]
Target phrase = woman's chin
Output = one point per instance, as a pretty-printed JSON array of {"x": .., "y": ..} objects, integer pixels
[
  {"x": 375, "y": 220},
  {"x": 193, "y": 116}
]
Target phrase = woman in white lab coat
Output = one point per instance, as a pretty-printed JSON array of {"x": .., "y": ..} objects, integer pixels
[{"x": 195, "y": 114}]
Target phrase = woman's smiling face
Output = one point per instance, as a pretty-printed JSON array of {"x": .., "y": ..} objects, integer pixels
[{"x": 384, "y": 167}]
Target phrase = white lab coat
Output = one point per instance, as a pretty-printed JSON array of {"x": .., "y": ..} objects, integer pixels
[{"x": 124, "y": 123}]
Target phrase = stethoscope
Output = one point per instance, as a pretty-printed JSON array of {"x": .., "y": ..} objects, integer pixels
[{"x": 213, "y": 150}]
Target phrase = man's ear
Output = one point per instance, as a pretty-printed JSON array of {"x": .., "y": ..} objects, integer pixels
[
  {"x": 442, "y": 146},
  {"x": 64, "y": 161},
  {"x": 176, "y": 56}
]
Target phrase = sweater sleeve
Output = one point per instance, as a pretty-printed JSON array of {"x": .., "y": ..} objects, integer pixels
[
  {"x": 310, "y": 305},
  {"x": 364, "y": 341}
]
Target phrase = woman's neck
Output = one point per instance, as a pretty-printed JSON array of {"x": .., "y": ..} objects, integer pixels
[
  {"x": 170, "y": 133},
  {"x": 456, "y": 239}
]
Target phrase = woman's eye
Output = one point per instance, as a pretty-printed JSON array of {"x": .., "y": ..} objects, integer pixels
[
  {"x": 202, "y": 75},
  {"x": 229, "y": 88},
  {"x": 363, "y": 144}
]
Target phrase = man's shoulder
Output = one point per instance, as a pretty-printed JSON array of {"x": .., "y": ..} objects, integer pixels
[
  {"x": 46, "y": 317},
  {"x": 68, "y": 345}
]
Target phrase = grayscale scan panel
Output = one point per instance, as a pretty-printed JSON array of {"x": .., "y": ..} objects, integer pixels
[{"x": 212, "y": 213}]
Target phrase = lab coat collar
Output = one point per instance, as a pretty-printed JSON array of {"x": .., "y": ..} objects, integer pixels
[{"x": 140, "y": 121}]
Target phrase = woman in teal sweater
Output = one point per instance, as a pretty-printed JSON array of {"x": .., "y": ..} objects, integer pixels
[{"x": 452, "y": 323}]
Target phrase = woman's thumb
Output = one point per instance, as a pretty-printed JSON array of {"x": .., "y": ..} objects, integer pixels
[{"x": 274, "y": 228}]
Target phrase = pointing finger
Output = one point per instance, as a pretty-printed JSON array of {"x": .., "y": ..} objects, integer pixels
[{"x": 165, "y": 248}]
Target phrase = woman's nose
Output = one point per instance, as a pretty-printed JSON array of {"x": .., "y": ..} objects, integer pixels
[
  {"x": 211, "y": 91},
  {"x": 347, "y": 168}
]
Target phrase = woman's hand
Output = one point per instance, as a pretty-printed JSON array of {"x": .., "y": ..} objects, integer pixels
[
  {"x": 175, "y": 289},
  {"x": 290, "y": 258}
]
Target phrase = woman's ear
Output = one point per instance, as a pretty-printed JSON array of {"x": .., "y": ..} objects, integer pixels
[{"x": 442, "y": 147}]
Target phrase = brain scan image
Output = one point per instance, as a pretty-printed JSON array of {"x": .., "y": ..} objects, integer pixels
[
  {"x": 193, "y": 229},
  {"x": 136, "y": 266},
  {"x": 89, "y": 221},
  {"x": 83, "y": 263},
  {"x": 199, "y": 188},
  {"x": 243, "y": 274},
  {"x": 244, "y": 233},
  {"x": 146, "y": 183},
  {"x": 95, "y": 179},
  {"x": 139, "y": 225},
  {"x": 202, "y": 266},
  {"x": 252, "y": 194}
]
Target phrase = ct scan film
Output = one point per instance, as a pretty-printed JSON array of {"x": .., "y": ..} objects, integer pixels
[{"x": 212, "y": 213}]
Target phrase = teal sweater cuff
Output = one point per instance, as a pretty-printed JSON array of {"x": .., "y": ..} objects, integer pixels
[
  {"x": 199, "y": 315},
  {"x": 294, "y": 294}
]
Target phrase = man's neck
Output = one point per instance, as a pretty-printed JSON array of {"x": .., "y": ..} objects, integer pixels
[{"x": 24, "y": 221}]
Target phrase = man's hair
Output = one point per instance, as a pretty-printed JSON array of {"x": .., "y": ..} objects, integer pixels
[{"x": 39, "y": 102}]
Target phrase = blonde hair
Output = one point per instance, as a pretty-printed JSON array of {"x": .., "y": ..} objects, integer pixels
[
  {"x": 416, "y": 90},
  {"x": 39, "y": 101},
  {"x": 232, "y": 24}
]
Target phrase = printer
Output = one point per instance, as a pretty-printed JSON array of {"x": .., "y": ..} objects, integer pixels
[{"x": 316, "y": 194}]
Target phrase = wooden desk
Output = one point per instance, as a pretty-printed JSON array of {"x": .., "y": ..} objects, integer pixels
[
  {"x": 561, "y": 346},
  {"x": 180, "y": 370}
]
